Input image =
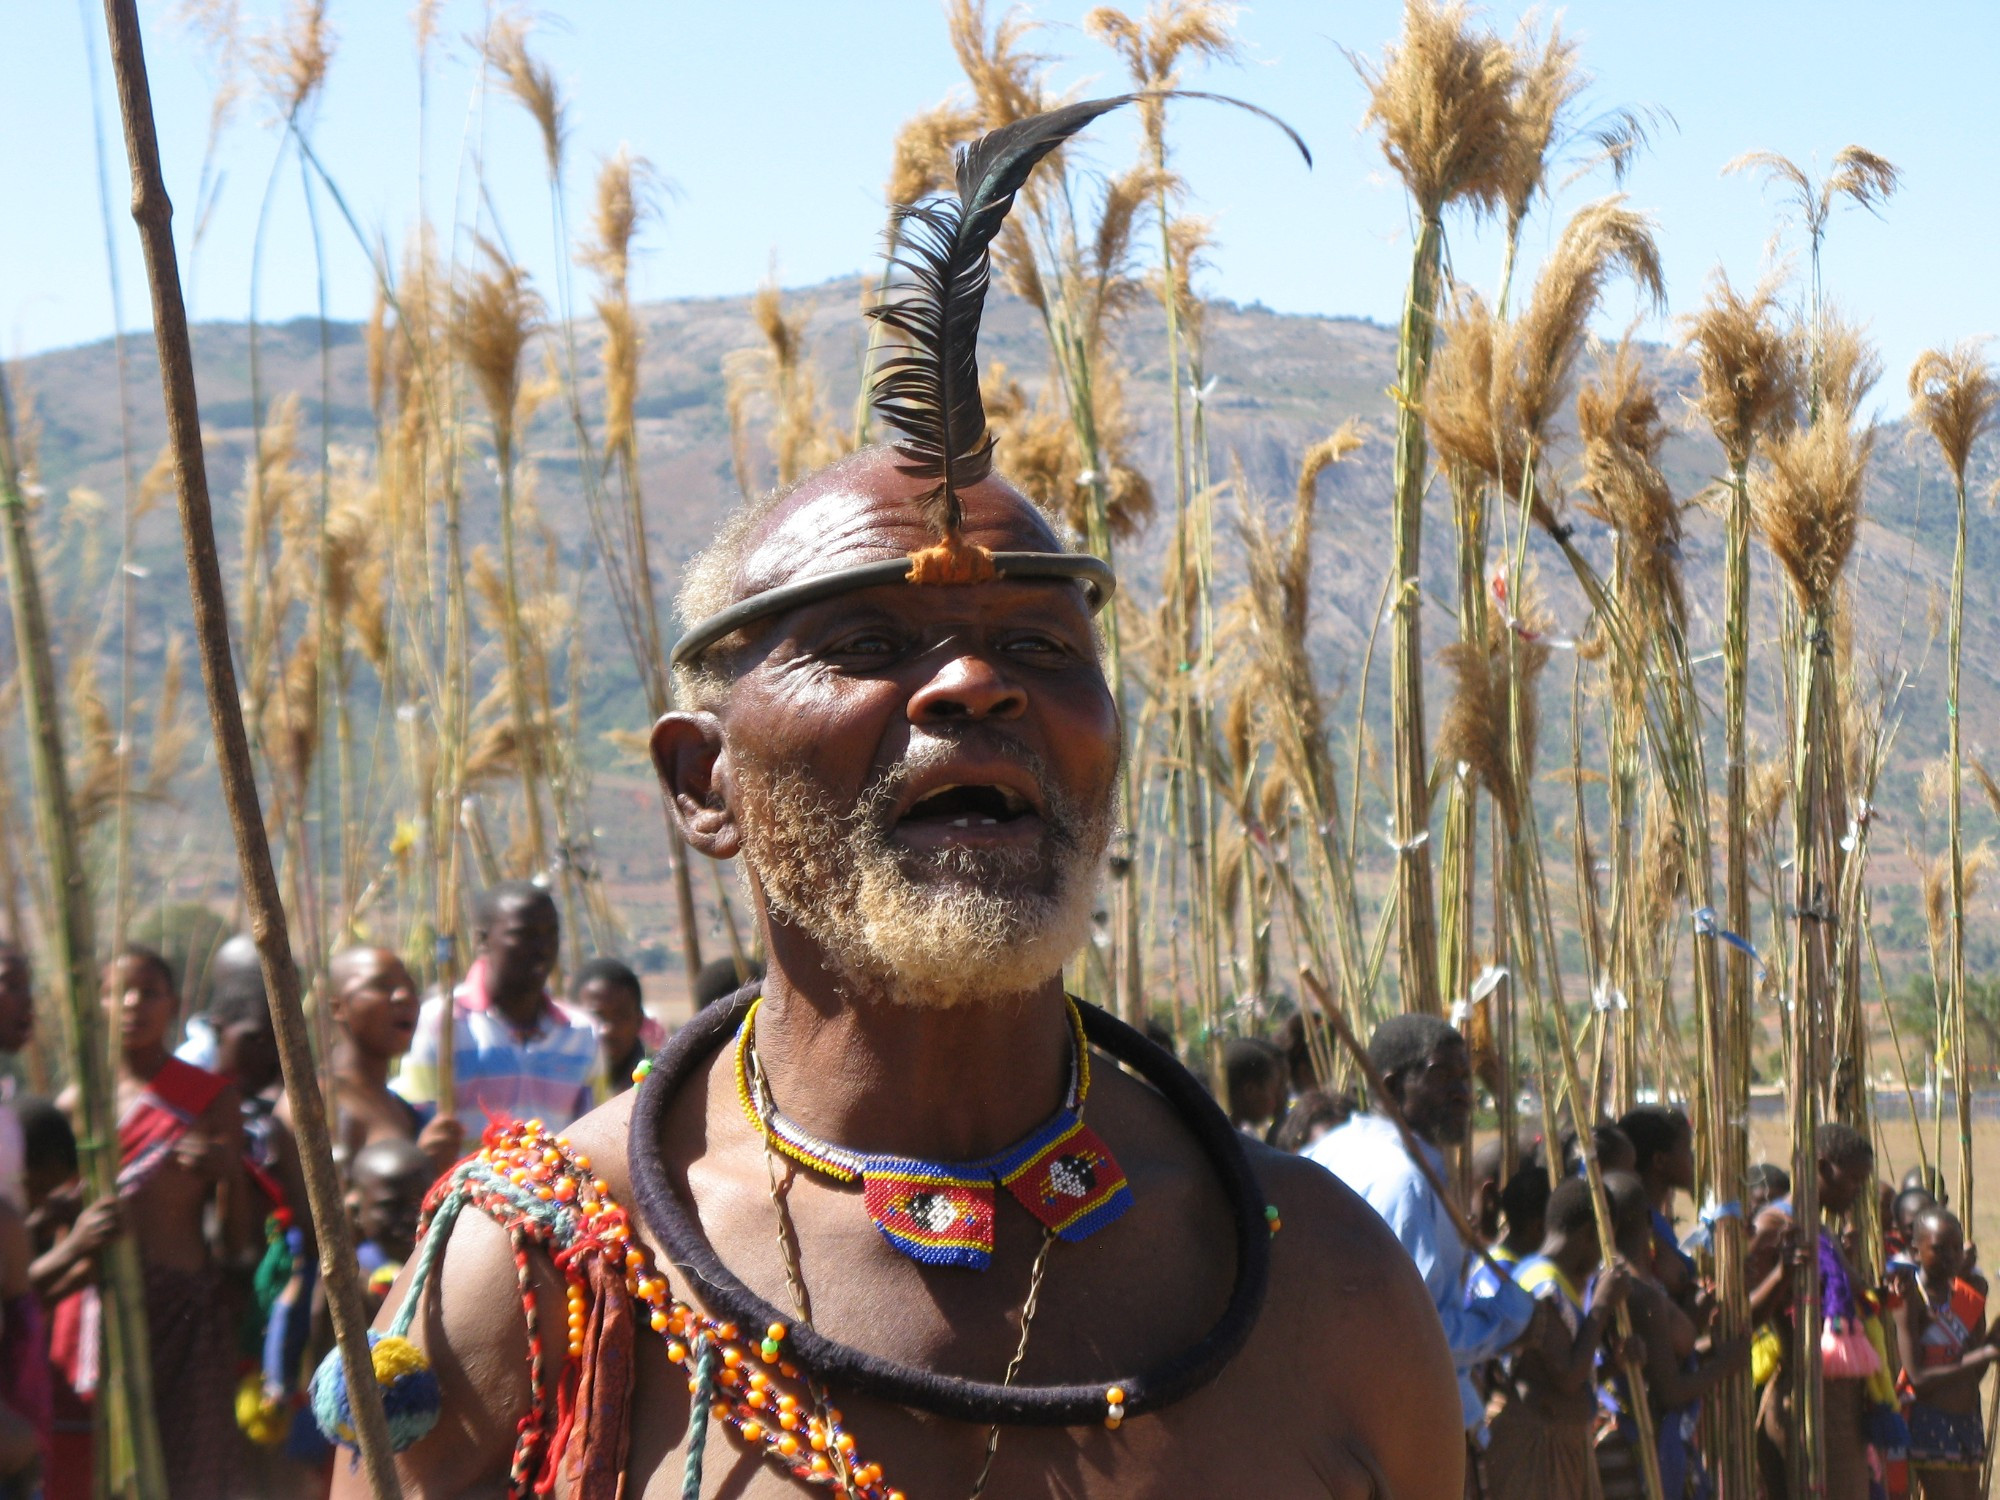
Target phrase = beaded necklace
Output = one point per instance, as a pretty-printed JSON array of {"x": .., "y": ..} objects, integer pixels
[
  {"x": 678, "y": 1230},
  {"x": 941, "y": 1213}
]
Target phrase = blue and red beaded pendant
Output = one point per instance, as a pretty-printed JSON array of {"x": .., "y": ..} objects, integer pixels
[{"x": 941, "y": 1213}]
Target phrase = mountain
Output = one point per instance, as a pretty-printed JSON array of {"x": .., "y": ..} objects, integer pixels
[{"x": 1280, "y": 382}]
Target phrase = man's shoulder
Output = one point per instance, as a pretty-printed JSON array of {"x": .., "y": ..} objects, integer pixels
[
  {"x": 604, "y": 1135},
  {"x": 1331, "y": 1241}
]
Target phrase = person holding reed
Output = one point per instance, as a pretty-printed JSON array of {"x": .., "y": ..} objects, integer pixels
[
  {"x": 374, "y": 1003},
  {"x": 180, "y": 1141}
]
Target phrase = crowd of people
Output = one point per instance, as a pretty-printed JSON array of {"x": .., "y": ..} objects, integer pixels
[
  {"x": 210, "y": 1193},
  {"x": 1543, "y": 1326},
  {"x": 1531, "y": 1304}
]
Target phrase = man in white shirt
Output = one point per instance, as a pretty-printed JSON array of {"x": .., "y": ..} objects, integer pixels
[{"x": 1427, "y": 1071}]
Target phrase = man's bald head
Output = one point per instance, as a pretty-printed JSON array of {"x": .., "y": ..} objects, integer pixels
[{"x": 859, "y": 510}]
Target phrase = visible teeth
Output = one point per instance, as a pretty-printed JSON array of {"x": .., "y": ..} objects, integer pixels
[
  {"x": 961, "y": 823},
  {"x": 1014, "y": 802},
  {"x": 988, "y": 822}
]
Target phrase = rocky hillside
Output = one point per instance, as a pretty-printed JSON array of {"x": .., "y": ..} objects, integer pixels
[{"x": 1280, "y": 382}]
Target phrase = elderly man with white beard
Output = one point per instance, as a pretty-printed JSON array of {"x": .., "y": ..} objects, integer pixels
[{"x": 898, "y": 1220}]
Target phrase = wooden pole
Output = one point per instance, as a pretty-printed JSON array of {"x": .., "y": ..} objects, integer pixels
[{"x": 154, "y": 215}]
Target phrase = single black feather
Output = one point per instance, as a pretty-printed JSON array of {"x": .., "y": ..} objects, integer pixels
[{"x": 929, "y": 390}]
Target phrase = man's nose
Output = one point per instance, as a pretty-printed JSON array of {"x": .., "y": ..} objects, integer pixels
[{"x": 968, "y": 686}]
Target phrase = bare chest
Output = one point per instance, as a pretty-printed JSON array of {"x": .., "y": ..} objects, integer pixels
[{"x": 1206, "y": 1446}]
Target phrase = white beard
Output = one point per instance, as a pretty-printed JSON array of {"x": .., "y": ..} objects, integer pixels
[{"x": 959, "y": 927}]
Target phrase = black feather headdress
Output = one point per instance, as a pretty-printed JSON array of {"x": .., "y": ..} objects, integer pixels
[{"x": 927, "y": 390}]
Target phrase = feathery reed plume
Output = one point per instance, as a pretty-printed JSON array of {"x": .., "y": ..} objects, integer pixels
[
  {"x": 1488, "y": 679},
  {"x": 1278, "y": 600},
  {"x": 1747, "y": 366},
  {"x": 1952, "y": 397},
  {"x": 623, "y": 203},
  {"x": 424, "y": 24},
  {"x": 532, "y": 83},
  {"x": 1848, "y": 367},
  {"x": 1859, "y": 176},
  {"x": 1458, "y": 407},
  {"x": 497, "y": 315},
  {"x": 923, "y": 159},
  {"x": 1006, "y": 79},
  {"x": 801, "y": 436},
  {"x": 1618, "y": 419},
  {"x": 1495, "y": 386},
  {"x": 1808, "y": 504},
  {"x": 1548, "y": 84},
  {"x": 292, "y": 62},
  {"x": 1443, "y": 101},
  {"x": 1600, "y": 239}
]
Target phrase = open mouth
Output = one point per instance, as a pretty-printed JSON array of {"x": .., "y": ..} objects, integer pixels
[{"x": 980, "y": 806}]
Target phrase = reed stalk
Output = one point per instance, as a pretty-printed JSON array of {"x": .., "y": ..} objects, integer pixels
[
  {"x": 1443, "y": 103},
  {"x": 1953, "y": 398},
  {"x": 127, "y": 1392}
]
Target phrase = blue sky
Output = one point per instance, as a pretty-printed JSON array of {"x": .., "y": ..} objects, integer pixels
[{"x": 773, "y": 121}]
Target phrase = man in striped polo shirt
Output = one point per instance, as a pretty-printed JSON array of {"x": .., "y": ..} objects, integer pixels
[{"x": 516, "y": 1054}]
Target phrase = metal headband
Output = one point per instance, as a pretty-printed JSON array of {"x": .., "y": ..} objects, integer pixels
[{"x": 1092, "y": 572}]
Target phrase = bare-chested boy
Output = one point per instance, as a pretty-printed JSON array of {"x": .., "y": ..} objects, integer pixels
[
  {"x": 1946, "y": 1351},
  {"x": 375, "y": 1007},
  {"x": 180, "y": 1137}
]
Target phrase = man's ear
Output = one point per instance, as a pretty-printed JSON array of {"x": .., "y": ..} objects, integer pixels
[{"x": 692, "y": 764}]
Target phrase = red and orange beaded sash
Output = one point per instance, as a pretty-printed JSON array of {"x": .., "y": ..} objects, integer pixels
[{"x": 537, "y": 1186}]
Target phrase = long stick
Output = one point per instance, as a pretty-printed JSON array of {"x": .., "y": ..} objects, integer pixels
[{"x": 153, "y": 213}]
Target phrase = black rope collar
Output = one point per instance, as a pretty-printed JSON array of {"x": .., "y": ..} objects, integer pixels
[{"x": 672, "y": 1220}]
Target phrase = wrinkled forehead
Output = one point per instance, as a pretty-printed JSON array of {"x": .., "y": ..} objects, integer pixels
[{"x": 875, "y": 518}]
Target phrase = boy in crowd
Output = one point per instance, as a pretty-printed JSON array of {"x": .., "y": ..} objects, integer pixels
[
  {"x": 1253, "y": 1074},
  {"x": 390, "y": 1178},
  {"x": 1540, "y": 1448},
  {"x": 1768, "y": 1183},
  {"x": 375, "y": 1013},
  {"x": 1946, "y": 1350},
  {"x": 1663, "y": 1158},
  {"x": 180, "y": 1138},
  {"x": 610, "y": 994}
]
